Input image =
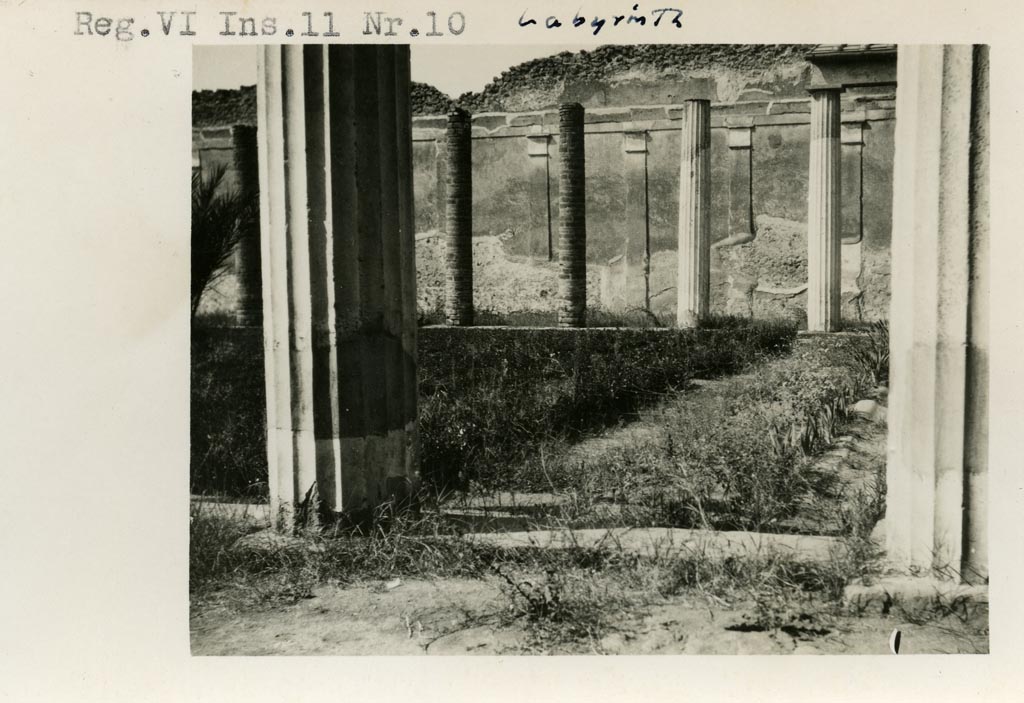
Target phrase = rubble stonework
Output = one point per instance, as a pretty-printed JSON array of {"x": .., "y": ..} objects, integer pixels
[
  {"x": 503, "y": 283},
  {"x": 216, "y": 108},
  {"x": 641, "y": 74}
]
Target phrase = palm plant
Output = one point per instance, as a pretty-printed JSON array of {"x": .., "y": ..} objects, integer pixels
[{"x": 220, "y": 220}]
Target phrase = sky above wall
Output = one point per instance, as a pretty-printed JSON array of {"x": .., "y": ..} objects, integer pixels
[{"x": 452, "y": 69}]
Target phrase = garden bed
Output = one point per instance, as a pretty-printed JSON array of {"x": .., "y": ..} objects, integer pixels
[
  {"x": 490, "y": 398},
  {"x": 739, "y": 453},
  {"x": 494, "y": 399}
]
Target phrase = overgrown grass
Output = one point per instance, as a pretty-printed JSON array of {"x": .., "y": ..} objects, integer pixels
[
  {"x": 638, "y": 318},
  {"x": 228, "y": 414},
  {"x": 874, "y": 356},
  {"x": 494, "y": 398},
  {"x": 489, "y": 397},
  {"x": 571, "y": 597},
  {"x": 503, "y": 407},
  {"x": 738, "y": 455},
  {"x": 274, "y": 569}
]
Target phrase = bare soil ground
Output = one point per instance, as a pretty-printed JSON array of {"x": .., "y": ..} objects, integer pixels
[{"x": 460, "y": 616}]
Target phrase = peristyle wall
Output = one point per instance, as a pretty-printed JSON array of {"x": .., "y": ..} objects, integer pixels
[
  {"x": 760, "y": 147},
  {"x": 759, "y": 162}
]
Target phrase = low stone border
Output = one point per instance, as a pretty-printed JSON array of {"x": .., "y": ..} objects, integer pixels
[
  {"x": 910, "y": 595},
  {"x": 675, "y": 542}
]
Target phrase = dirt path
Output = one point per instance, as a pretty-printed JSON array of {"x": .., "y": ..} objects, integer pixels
[{"x": 457, "y": 616}]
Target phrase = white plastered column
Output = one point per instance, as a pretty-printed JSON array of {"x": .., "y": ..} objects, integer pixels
[
  {"x": 937, "y": 457},
  {"x": 693, "y": 284},
  {"x": 824, "y": 212},
  {"x": 337, "y": 248}
]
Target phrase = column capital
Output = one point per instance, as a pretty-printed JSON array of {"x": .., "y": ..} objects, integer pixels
[{"x": 826, "y": 88}]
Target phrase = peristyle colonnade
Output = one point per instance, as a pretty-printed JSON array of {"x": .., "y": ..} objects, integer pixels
[{"x": 338, "y": 274}]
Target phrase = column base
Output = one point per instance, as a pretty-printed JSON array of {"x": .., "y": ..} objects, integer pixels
[{"x": 917, "y": 596}]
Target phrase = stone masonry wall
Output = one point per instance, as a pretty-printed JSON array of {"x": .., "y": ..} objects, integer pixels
[
  {"x": 759, "y": 165},
  {"x": 759, "y": 200}
]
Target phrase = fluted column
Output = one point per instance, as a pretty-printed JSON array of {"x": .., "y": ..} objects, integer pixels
[
  {"x": 693, "y": 284},
  {"x": 337, "y": 241},
  {"x": 572, "y": 217},
  {"x": 458, "y": 305},
  {"x": 937, "y": 469},
  {"x": 824, "y": 213}
]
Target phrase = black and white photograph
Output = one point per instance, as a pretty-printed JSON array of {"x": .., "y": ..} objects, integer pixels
[
  {"x": 638, "y": 351},
  {"x": 627, "y": 351}
]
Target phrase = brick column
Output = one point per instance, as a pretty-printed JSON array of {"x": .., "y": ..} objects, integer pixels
[
  {"x": 693, "y": 285},
  {"x": 338, "y": 284},
  {"x": 824, "y": 225},
  {"x": 458, "y": 305},
  {"x": 249, "y": 312},
  {"x": 936, "y": 500},
  {"x": 572, "y": 217}
]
